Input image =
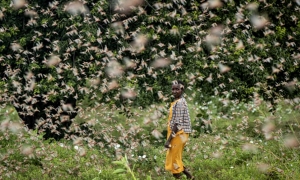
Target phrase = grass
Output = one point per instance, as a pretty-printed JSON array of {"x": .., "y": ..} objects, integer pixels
[{"x": 247, "y": 142}]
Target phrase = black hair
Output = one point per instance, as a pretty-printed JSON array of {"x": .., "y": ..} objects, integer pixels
[{"x": 179, "y": 82}]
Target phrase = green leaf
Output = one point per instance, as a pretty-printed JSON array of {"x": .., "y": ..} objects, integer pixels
[
  {"x": 117, "y": 171},
  {"x": 118, "y": 162}
]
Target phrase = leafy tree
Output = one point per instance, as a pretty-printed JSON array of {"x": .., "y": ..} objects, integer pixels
[{"x": 55, "y": 55}]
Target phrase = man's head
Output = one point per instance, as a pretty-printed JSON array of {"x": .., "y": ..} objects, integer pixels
[{"x": 177, "y": 88}]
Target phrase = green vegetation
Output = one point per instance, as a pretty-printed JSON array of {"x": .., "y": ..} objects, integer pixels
[
  {"x": 247, "y": 142},
  {"x": 90, "y": 79},
  {"x": 64, "y": 52}
]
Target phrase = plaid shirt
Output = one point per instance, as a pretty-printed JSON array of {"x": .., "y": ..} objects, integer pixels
[{"x": 181, "y": 116}]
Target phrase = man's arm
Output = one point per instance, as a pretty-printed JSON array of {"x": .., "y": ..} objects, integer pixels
[{"x": 173, "y": 133}]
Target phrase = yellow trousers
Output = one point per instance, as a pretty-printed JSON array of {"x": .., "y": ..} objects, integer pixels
[{"x": 174, "y": 162}]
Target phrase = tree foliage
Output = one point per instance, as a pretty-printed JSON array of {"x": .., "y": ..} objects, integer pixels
[{"x": 56, "y": 54}]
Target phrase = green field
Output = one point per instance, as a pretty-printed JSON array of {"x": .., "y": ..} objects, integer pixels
[{"x": 246, "y": 142}]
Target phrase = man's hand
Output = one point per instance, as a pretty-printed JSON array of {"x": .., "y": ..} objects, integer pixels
[{"x": 167, "y": 144}]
